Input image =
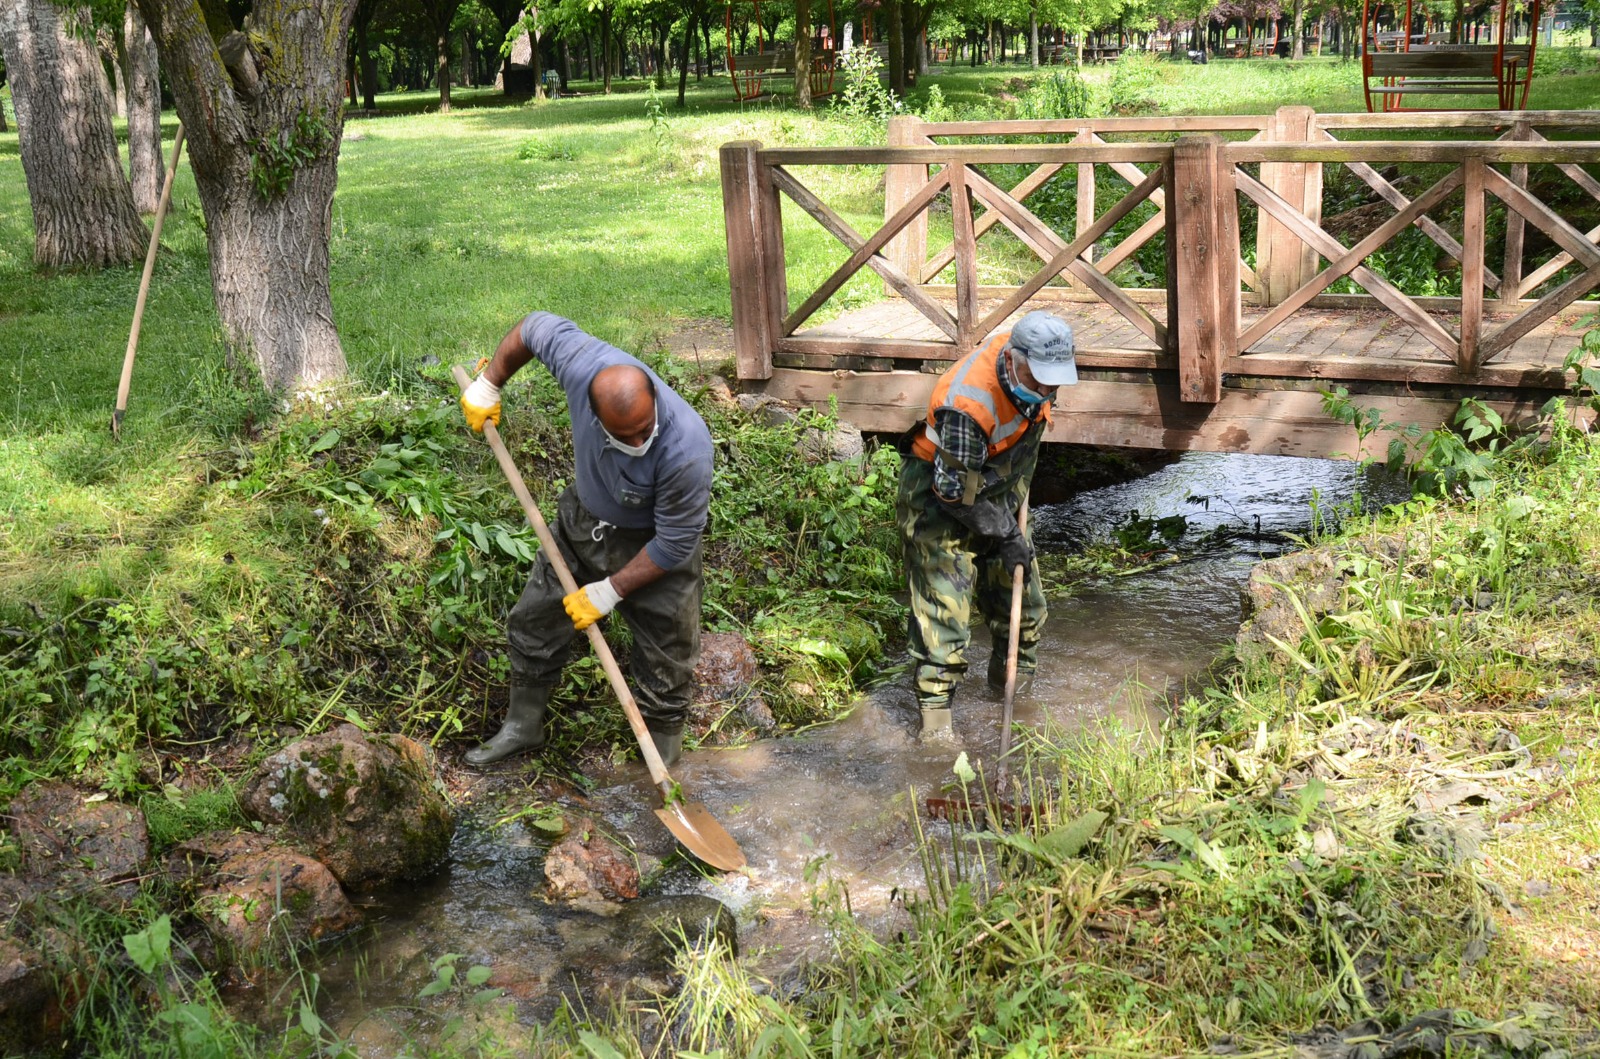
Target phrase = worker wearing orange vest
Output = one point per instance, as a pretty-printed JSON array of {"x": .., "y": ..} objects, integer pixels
[{"x": 960, "y": 494}]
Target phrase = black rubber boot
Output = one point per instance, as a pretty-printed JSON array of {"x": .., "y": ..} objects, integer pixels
[
  {"x": 523, "y": 728},
  {"x": 997, "y": 676},
  {"x": 670, "y": 747}
]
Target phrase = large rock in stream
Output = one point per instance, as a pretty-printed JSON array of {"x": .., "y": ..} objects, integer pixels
[
  {"x": 1316, "y": 578},
  {"x": 371, "y": 808},
  {"x": 251, "y": 891}
]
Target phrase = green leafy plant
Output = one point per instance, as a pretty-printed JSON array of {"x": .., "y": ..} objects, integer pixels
[{"x": 277, "y": 157}]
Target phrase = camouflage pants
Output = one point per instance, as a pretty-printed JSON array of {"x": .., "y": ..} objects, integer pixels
[
  {"x": 944, "y": 570},
  {"x": 664, "y": 616}
]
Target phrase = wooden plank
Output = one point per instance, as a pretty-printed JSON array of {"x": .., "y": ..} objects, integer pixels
[
  {"x": 752, "y": 342},
  {"x": 1342, "y": 368},
  {"x": 1142, "y": 414},
  {"x": 1281, "y": 258},
  {"x": 1546, "y": 307},
  {"x": 913, "y": 207},
  {"x": 1428, "y": 303},
  {"x": 1033, "y": 182},
  {"x": 1566, "y": 151},
  {"x": 1347, "y": 261},
  {"x": 1200, "y": 245},
  {"x": 1085, "y": 195},
  {"x": 1066, "y": 254},
  {"x": 966, "y": 258},
  {"x": 1329, "y": 247},
  {"x": 1548, "y": 221},
  {"x": 909, "y": 248},
  {"x": 1067, "y": 126},
  {"x": 1539, "y": 275},
  {"x": 1472, "y": 268},
  {"x": 976, "y": 154},
  {"x": 841, "y": 230},
  {"x": 1142, "y": 295},
  {"x": 769, "y": 233},
  {"x": 880, "y": 347},
  {"x": 1393, "y": 196},
  {"x": 1487, "y": 120}
]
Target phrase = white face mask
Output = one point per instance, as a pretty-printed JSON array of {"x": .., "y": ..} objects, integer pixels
[{"x": 634, "y": 450}]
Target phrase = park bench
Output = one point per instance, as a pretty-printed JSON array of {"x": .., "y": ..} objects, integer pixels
[
  {"x": 1447, "y": 69},
  {"x": 750, "y": 71}
]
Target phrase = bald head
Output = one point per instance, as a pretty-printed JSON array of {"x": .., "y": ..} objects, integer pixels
[{"x": 624, "y": 397}]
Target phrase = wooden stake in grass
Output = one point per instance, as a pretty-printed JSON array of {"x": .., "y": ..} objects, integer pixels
[{"x": 144, "y": 287}]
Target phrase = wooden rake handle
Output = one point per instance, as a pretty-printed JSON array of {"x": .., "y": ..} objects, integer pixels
[
  {"x": 1013, "y": 646},
  {"x": 126, "y": 380},
  {"x": 547, "y": 540}
]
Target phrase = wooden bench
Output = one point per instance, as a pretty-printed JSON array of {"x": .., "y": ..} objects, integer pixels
[{"x": 750, "y": 72}]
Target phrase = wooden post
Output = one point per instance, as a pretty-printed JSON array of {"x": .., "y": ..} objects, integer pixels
[
  {"x": 966, "y": 246},
  {"x": 908, "y": 250},
  {"x": 1283, "y": 261},
  {"x": 1207, "y": 256},
  {"x": 1511, "y": 272},
  {"x": 753, "y": 335},
  {"x": 1472, "y": 263},
  {"x": 1085, "y": 190}
]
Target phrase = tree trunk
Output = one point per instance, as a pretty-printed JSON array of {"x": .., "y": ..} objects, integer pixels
[
  {"x": 1299, "y": 51},
  {"x": 683, "y": 68},
  {"x": 264, "y": 151},
  {"x": 365, "y": 10},
  {"x": 145, "y": 165},
  {"x": 897, "y": 52},
  {"x": 442, "y": 66},
  {"x": 1033, "y": 34},
  {"x": 605, "y": 46},
  {"x": 83, "y": 211},
  {"x": 802, "y": 54},
  {"x": 112, "y": 52}
]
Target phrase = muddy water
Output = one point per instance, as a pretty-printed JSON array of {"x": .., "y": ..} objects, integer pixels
[{"x": 836, "y": 798}]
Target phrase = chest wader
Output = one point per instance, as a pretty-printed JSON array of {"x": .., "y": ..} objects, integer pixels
[
  {"x": 663, "y": 616},
  {"x": 946, "y": 567}
]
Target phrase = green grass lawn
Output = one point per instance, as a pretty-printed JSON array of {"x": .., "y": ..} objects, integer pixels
[{"x": 229, "y": 567}]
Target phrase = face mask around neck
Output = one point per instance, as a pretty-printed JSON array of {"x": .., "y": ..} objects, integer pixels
[{"x": 633, "y": 450}]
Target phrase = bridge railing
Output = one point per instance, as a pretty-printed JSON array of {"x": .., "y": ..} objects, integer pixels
[{"x": 1230, "y": 209}]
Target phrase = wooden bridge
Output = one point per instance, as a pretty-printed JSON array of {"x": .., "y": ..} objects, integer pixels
[{"x": 1210, "y": 300}]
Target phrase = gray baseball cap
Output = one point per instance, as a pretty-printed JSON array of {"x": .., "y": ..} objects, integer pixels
[{"x": 1045, "y": 341}]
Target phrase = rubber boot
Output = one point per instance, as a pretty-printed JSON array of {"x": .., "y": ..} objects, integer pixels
[
  {"x": 997, "y": 676},
  {"x": 936, "y": 726},
  {"x": 670, "y": 747},
  {"x": 523, "y": 728}
]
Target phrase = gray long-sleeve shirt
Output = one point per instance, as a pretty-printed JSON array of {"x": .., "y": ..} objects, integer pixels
[{"x": 668, "y": 487}]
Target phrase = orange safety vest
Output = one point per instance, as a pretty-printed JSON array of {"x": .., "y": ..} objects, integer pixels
[{"x": 973, "y": 388}]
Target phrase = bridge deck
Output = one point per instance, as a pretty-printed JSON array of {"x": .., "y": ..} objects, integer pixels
[{"x": 1338, "y": 337}]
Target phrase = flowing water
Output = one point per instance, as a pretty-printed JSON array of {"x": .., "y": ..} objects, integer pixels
[{"x": 836, "y": 798}]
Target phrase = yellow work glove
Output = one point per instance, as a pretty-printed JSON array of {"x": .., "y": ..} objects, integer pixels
[
  {"x": 480, "y": 402},
  {"x": 591, "y": 603}
]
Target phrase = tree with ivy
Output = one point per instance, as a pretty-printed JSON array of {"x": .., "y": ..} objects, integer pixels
[
  {"x": 259, "y": 88},
  {"x": 83, "y": 209}
]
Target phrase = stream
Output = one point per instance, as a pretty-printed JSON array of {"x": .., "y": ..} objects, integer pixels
[{"x": 838, "y": 796}]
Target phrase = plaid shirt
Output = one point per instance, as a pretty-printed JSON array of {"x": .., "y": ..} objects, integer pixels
[{"x": 966, "y": 442}]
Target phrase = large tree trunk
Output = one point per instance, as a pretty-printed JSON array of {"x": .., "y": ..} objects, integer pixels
[
  {"x": 364, "y": 56},
  {"x": 83, "y": 212},
  {"x": 605, "y": 45},
  {"x": 897, "y": 51},
  {"x": 442, "y": 65},
  {"x": 802, "y": 54},
  {"x": 1299, "y": 51},
  {"x": 1033, "y": 34},
  {"x": 264, "y": 149},
  {"x": 145, "y": 166}
]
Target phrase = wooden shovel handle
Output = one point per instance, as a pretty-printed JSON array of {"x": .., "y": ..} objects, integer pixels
[
  {"x": 1013, "y": 646},
  {"x": 126, "y": 381},
  {"x": 547, "y": 540}
]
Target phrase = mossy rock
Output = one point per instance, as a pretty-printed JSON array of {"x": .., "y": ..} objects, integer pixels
[{"x": 369, "y": 807}]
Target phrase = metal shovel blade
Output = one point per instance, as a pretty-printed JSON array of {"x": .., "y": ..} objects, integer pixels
[{"x": 693, "y": 825}]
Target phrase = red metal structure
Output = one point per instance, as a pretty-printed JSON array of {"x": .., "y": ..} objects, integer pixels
[{"x": 1412, "y": 62}]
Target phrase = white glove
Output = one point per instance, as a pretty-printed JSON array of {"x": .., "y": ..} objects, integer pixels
[
  {"x": 591, "y": 603},
  {"x": 480, "y": 401}
]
